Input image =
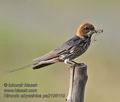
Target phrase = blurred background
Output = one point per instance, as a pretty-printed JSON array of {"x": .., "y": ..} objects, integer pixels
[{"x": 31, "y": 28}]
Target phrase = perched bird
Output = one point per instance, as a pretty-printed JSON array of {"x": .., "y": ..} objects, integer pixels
[{"x": 71, "y": 49}]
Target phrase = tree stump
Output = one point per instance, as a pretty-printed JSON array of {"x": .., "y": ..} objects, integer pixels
[{"x": 78, "y": 79}]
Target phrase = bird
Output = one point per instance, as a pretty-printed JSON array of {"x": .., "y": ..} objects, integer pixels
[{"x": 71, "y": 49}]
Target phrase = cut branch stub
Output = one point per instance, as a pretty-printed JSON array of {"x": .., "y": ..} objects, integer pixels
[{"x": 79, "y": 79}]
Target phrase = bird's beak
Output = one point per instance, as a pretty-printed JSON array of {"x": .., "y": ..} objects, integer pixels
[
  {"x": 94, "y": 31},
  {"x": 98, "y": 31}
]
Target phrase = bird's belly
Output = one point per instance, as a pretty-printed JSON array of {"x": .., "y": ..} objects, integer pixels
[{"x": 78, "y": 52}]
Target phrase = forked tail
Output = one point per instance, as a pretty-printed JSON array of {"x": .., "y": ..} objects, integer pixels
[
  {"x": 36, "y": 65},
  {"x": 21, "y": 68},
  {"x": 41, "y": 64}
]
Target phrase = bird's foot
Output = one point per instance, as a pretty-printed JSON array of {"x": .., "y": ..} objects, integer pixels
[{"x": 72, "y": 63}]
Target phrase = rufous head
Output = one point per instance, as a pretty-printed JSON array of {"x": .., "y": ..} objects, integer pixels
[{"x": 86, "y": 29}]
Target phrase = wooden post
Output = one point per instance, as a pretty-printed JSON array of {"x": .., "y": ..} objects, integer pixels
[{"x": 78, "y": 79}]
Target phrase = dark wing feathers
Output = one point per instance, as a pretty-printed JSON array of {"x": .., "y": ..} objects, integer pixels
[{"x": 60, "y": 50}]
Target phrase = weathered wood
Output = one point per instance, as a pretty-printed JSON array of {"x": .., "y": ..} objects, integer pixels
[{"x": 78, "y": 79}]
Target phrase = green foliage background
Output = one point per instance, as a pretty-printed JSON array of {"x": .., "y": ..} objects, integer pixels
[{"x": 31, "y": 28}]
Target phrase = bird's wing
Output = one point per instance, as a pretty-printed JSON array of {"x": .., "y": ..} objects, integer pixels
[{"x": 65, "y": 48}]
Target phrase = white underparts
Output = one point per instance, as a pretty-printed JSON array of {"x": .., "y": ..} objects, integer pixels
[
  {"x": 67, "y": 61},
  {"x": 48, "y": 61}
]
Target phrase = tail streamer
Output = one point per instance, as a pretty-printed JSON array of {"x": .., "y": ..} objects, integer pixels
[{"x": 21, "y": 68}]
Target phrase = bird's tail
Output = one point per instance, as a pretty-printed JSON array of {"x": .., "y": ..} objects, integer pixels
[
  {"x": 41, "y": 64},
  {"x": 20, "y": 68},
  {"x": 36, "y": 65}
]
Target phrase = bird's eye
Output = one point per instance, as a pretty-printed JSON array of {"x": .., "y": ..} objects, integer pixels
[{"x": 86, "y": 28}]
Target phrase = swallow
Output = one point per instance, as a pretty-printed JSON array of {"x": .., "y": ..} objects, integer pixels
[{"x": 71, "y": 49}]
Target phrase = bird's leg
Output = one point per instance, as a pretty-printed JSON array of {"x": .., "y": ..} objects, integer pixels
[
  {"x": 72, "y": 63},
  {"x": 67, "y": 61}
]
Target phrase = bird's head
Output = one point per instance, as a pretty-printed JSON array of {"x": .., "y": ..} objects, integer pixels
[{"x": 87, "y": 30}]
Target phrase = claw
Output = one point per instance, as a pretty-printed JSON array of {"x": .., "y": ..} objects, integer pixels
[{"x": 72, "y": 63}]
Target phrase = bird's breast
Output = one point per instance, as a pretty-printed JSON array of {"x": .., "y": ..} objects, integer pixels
[{"x": 80, "y": 49}]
